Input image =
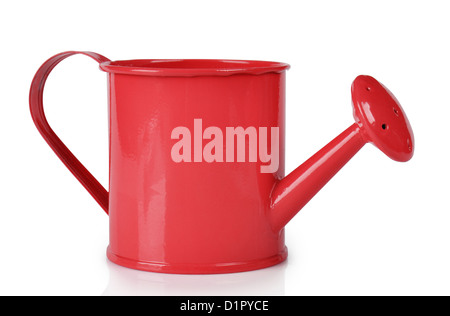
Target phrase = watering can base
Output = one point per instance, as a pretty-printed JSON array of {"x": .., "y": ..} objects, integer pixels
[{"x": 200, "y": 268}]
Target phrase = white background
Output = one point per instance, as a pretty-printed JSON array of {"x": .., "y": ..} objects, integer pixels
[{"x": 378, "y": 228}]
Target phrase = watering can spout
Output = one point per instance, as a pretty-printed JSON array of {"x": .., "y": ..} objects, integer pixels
[{"x": 380, "y": 120}]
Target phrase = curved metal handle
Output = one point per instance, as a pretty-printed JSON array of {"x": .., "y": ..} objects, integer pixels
[{"x": 37, "y": 112}]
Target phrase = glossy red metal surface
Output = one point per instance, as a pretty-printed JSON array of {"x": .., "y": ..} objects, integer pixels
[
  {"x": 385, "y": 123},
  {"x": 197, "y": 148},
  {"x": 191, "y": 67},
  {"x": 37, "y": 113},
  {"x": 297, "y": 188},
  {"x": 380, "y": 120}
]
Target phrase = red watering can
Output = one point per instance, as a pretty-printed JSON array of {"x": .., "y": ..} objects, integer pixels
[{"x": 197, "y": 181}]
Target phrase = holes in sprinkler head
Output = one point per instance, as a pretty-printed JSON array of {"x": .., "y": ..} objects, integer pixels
[
  {"x": 384, "y": 126},
  {"x": 396, "y": 111},
  {"x": 368, "y": 88}
]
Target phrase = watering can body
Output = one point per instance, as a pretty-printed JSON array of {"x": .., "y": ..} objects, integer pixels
[
  {"x": 197, "y": 180},
  {"x": 186, "y": 189}
]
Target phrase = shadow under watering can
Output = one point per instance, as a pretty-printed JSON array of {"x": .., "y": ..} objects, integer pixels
[
  {"x": 130, "y": 282},
  {"x": 175, "y": 204}
]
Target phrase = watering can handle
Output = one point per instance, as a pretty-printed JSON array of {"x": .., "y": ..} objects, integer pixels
[{"x": 37, "y": 112}]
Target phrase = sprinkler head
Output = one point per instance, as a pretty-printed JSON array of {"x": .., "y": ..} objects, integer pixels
[{"x": 382, "y": 119}]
